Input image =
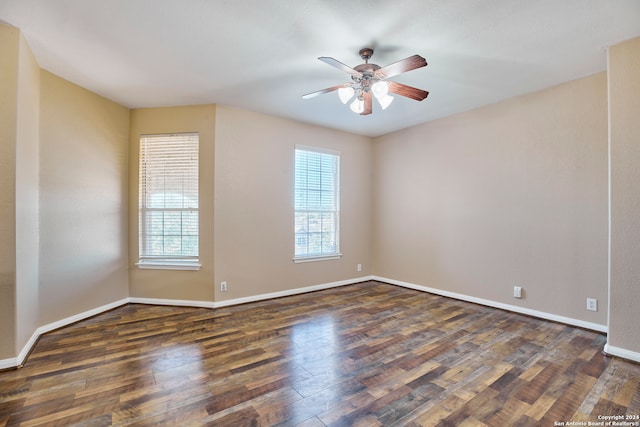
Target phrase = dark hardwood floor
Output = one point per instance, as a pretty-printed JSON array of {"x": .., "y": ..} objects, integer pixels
[{"x": 369, "y": 354}]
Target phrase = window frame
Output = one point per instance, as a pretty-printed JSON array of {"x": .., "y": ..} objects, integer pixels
[
  {"x": 165, "y": 262},
  {"x": 318, "y": 256}
]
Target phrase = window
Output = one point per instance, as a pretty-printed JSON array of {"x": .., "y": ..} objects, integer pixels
[
  {"x": 317, "y": 204},
  {"x": 168, "y": 201}
]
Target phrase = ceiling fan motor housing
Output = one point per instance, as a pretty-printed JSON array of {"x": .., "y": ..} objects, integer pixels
[{"x": 367, "y": 78}]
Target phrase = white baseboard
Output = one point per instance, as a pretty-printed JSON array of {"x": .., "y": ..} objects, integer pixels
[
  {"x": 514, "y": 308},
  {"x": 80, "y": 316},
  {"x": 8, "y": 363},
  {"x": 621, "y": 352},
  {"x": 289, "y": 292},
  {"x": 244, "y": 300},
  {"x": 176, "y": 302},
  {"x": 18, "y": 361},
  {"x": 22, "y": 356}
]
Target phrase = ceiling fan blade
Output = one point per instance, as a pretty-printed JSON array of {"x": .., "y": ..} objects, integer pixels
[
  {"x": 402, "y": 66},
  {"x": 368, "y": 104},
  {"x": 322, "y": 92},
  {"x": 340, "y": 66},
  {"x": 408, "y": 91}
]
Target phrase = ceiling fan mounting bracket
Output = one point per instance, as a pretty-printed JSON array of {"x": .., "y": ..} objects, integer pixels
[
  {"x": 367, "y": 69},
  {"x": 366, "y": 53}
]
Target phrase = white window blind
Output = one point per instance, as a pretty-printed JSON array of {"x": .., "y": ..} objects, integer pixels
[
  {"x": 168, "y": 200},
  {"x": 317, "y": 204}
]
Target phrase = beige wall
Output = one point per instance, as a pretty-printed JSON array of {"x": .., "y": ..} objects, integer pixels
[
  {"x": 9, "y": 57},
  {"x": 624, "y": 145},
  {"x": 254, "y": 204},
  {"x": 27, "y": 196},
  {"x": 69, "y": 256},
  {"x": 83, "y": 200},
  {"x": 510, "y": 194},
  {"x": 172, "y": 284}
]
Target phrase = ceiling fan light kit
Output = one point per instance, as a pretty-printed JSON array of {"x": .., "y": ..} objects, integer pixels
[
  {"x": 345, "y": 94},
  {"x": 369, "y": 81},
  {"x": 357, "y": 106}
]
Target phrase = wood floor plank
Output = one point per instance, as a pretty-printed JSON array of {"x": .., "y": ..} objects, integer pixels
[{"x": 369, "y": 354}]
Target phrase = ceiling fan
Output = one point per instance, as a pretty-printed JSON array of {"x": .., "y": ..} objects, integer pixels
[{"x": 369, "y": 81}]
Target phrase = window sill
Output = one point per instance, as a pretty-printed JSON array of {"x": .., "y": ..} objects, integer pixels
[
  {"x": 317, "y": 258},
  {"x": 169, "y": 265}
]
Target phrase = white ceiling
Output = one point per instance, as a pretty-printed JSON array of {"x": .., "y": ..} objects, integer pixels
[{"x": 261, "y": 55}]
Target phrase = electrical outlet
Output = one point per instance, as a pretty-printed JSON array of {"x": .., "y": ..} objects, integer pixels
[
  {"x": 592, "y": 304},
  {"x": 223, "y": 286},
  {"x": 517, "y": 292},
  {"x": 359, "y": 267}
]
